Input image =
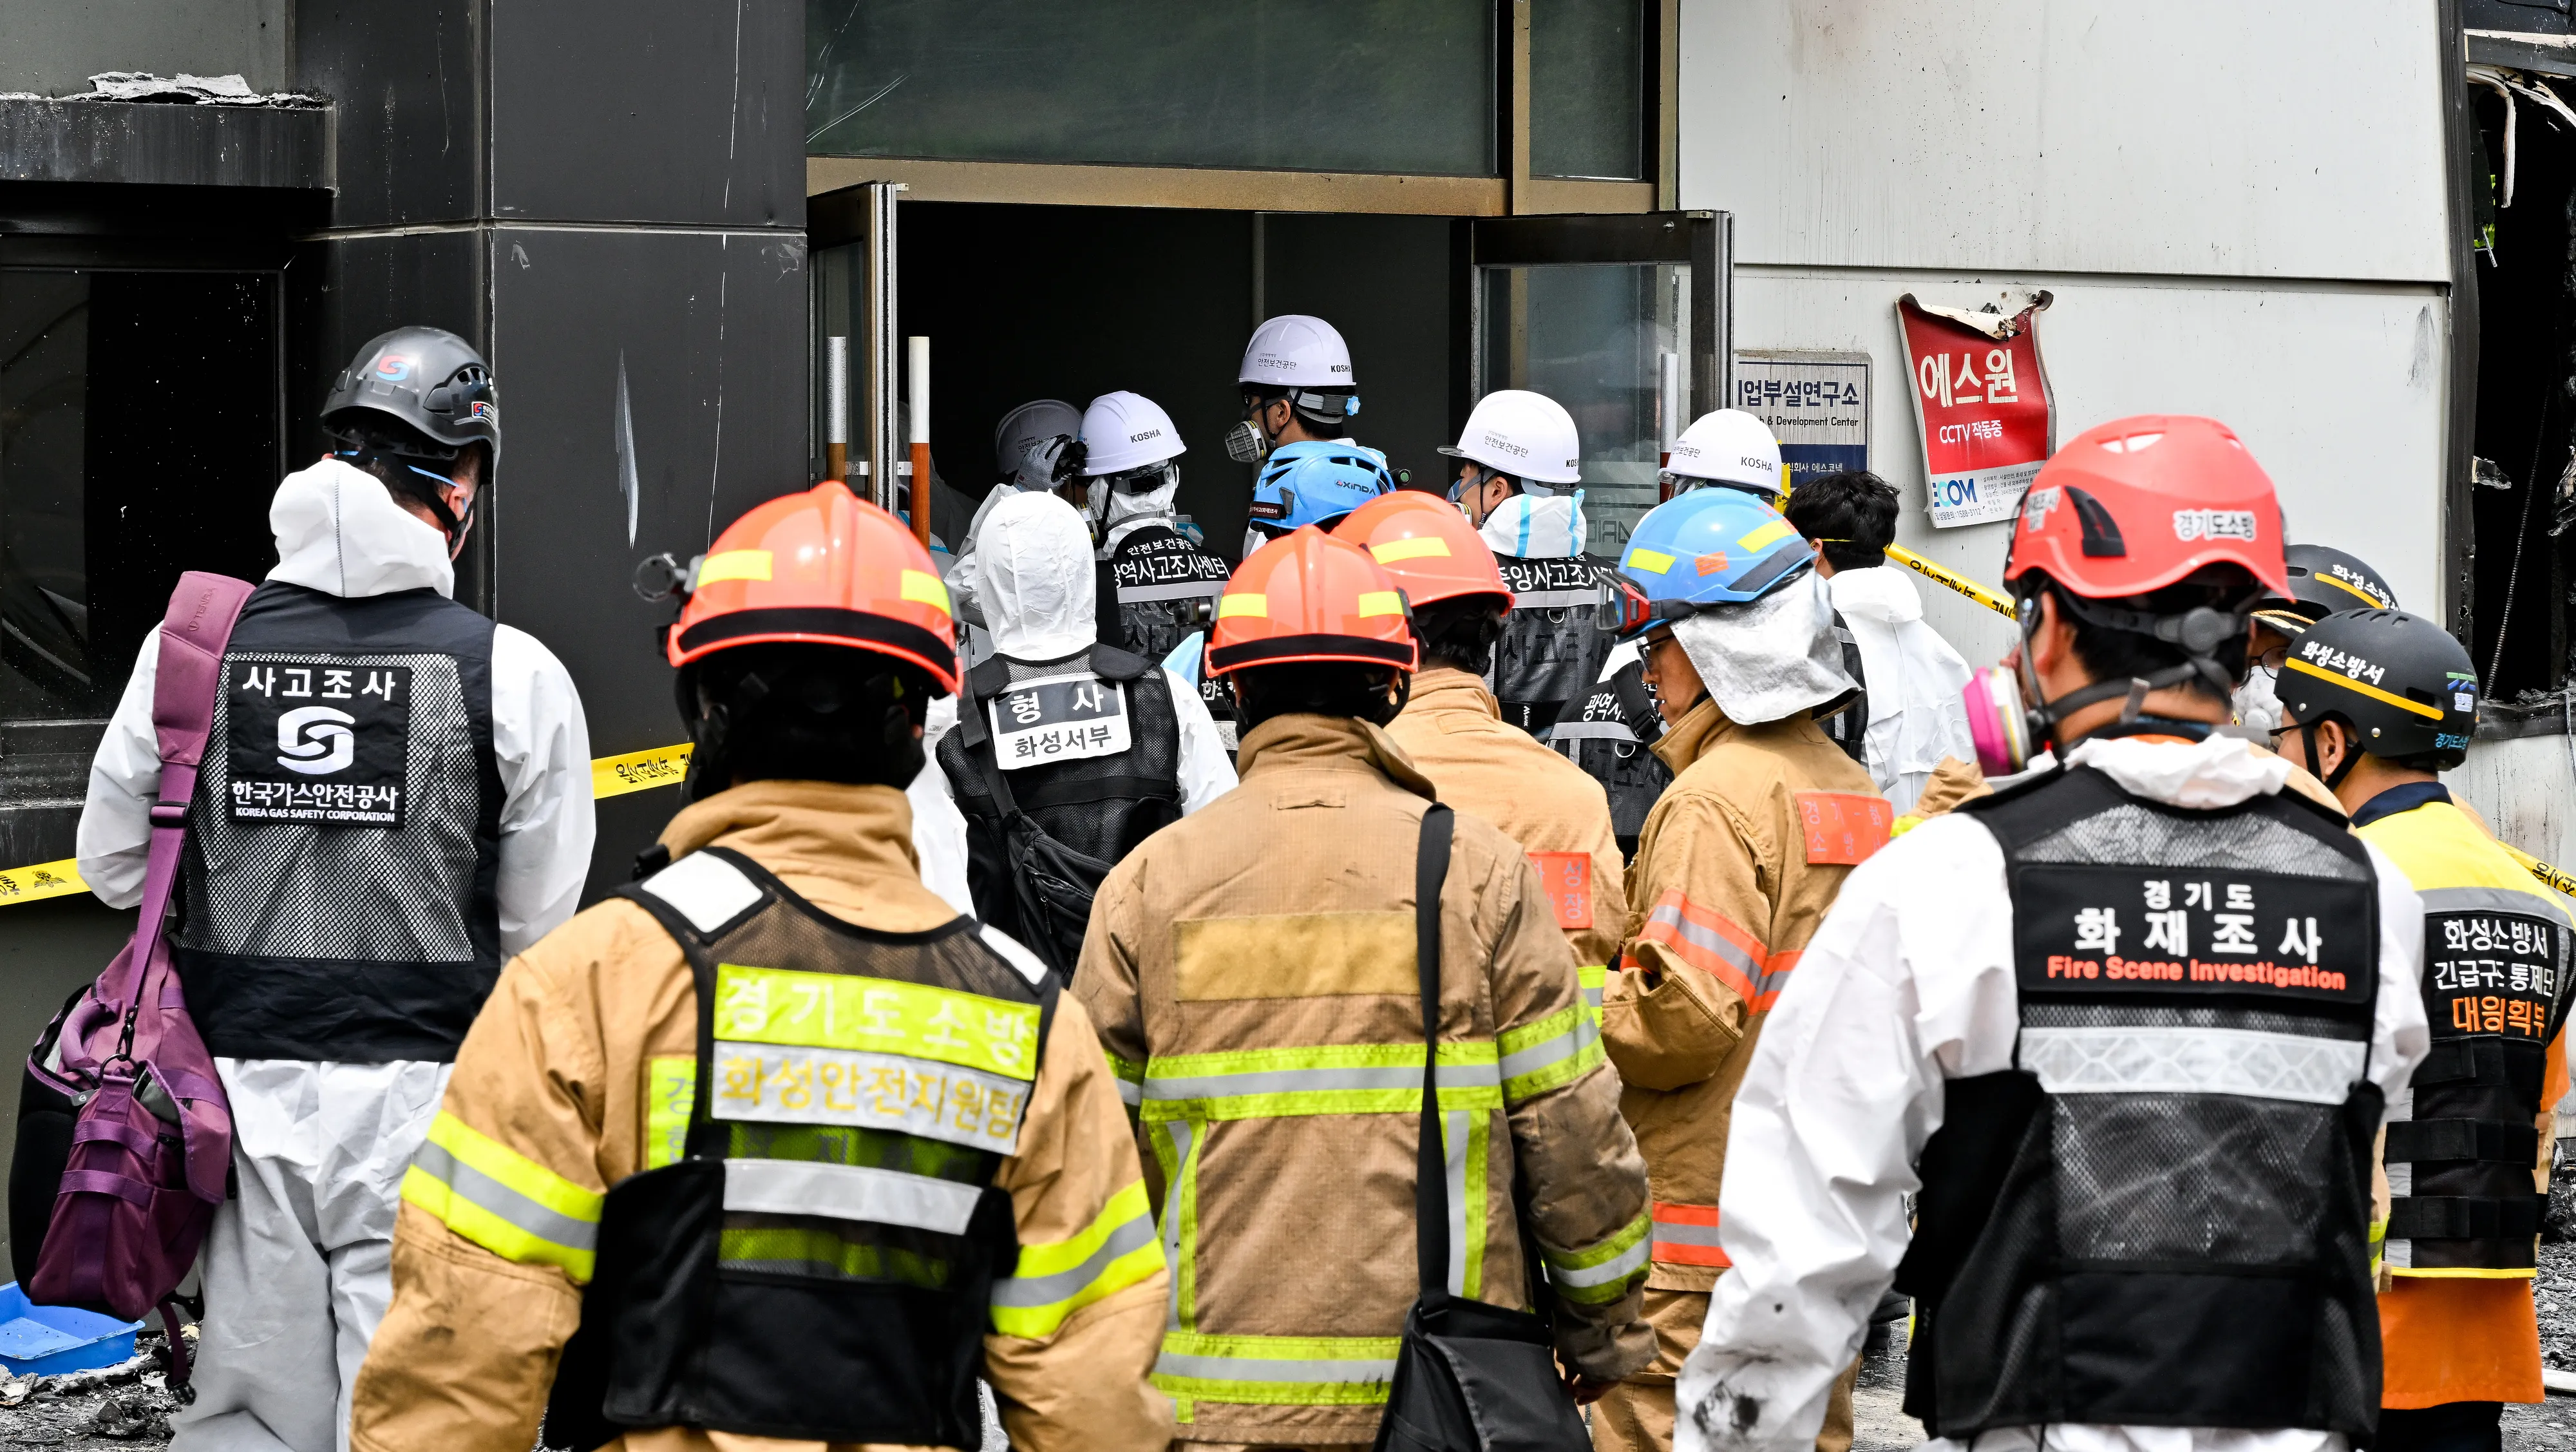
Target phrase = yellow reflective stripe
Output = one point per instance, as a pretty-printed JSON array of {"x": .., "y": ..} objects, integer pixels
[
  {"x": 1420, "y": 547},
  {"x": 1380, "y": 602},
  {"x": 1595, "y": 977},
  {"x": 1555, "y": 1051},
  {"x": 1655, "y": 560},
  {"x": 502, "y": 1200},
  {"x": 1292, "y": 1371},
  {"x": 1605, "y": 1271},
  {"x": 1765, "y": 534},
  {"x": 1117, "y": 1250},
  {"x": 1239, "y": 602},
  {"x": 1328, "y": 1079},
  {"x": 924, "y": 588},
  {"x": 2434, "y": 713},
  {"x": 2461, "y": 1273},
  {"x": 733, "y": 565},
  {"x": 798, "y": 1009},
  {"x": 670, "y": 1092},
  {"x": 1176, "y": 1147},
  {"x": 1131, "y": 1079}
]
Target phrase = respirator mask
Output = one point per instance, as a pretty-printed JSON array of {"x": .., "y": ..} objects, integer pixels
[
  {"x": 1248, "y": 443},
  {"x": 2008, "y": 734}
]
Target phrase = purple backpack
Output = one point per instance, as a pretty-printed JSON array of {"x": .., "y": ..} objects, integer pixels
[{"x": 152, "y": 1140}]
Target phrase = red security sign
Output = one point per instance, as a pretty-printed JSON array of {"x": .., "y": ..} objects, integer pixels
[{"x": 1981, "y": 405}]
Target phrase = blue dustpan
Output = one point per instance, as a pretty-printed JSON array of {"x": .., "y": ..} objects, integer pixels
[{"x": 50, "y": 1340}]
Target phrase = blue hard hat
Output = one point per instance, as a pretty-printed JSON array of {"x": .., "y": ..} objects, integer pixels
[
  {"x": 1706, "y": 550},
  {"x": 1316, "y": 482}
]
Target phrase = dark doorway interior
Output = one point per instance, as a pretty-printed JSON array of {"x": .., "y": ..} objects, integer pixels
[
  {"x": 2526, "y": 415},
  {"x": 1025, "y": 302}
]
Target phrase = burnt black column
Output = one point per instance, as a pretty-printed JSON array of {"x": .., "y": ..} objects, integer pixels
[{"x": 609, "y": 200}]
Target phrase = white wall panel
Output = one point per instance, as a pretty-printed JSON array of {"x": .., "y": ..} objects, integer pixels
[
  {"x": 2337, "y": 390},
  {"x": 2202, "y": 137}
]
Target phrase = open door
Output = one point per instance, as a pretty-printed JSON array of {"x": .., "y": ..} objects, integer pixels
[{"x": 1623, "y": 319}]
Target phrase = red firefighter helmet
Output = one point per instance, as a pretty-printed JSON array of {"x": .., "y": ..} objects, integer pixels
[
  {"x": 1427, "y": 546},
  {"x": 2134, "y": 505},
  {"x": 1311, "y": 597},
  {"x": 822, "y": 568}
]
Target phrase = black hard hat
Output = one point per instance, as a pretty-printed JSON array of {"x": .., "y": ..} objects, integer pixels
[
  {"x": 427, "y": 378},
  {"x": 2405, "y": 685},
  {"x": 2323, "y": 581}
]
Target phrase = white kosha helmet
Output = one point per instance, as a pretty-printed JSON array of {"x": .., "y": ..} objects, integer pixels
[
  {"x": 1039, "y": 418},
  {"x": 1123, "y": 431},
  {"x": 1297, "y": 351},
  {"x": 1527, "y": 435},
  {"x": 1729, "y": 447}
]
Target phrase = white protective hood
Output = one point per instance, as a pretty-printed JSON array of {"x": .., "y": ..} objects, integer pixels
[
  {"x": 340, "y": 532},
  {"x": 1033, "y": 566},
  {"x": 1772, "y": 658},
  {"x": 1127, "y": 512},
  {"x": 1533, "y": 527}
]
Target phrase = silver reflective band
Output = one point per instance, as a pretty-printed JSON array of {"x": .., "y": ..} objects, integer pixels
[
  {"x": 2175, "y": 1060},
  {"x": 1677, "y": 1232},
  {"x": 849, "y": 1192},
  {"x": 1049, "y": 1289},
  {"x": 1617, "y": 1267},
  {"x": 1248, "y": 1368},
  {"x": 2491, "y": 900},
  {"x": 1130, "y": 1093},
  {"x": 1558, "y": 1049},
  {"x": 1593, "y": 731},
  {"x": 1186, "y": 590},
  {"x": 1293, "y": 1081},
  {"x": 1555, "y": 599},
  {"x": 709, "y": 891},
  {"x": 488, "y": 1194}
]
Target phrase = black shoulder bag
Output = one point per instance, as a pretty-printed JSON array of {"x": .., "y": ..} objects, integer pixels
[{"x": 1469, "y": 1377}]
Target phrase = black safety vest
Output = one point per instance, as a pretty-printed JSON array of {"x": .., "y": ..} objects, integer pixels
[
  {"x": 2462, "y": 1150},
  {"x": 1035, "y": 721},
  {"x": 2160, "y": 1215},
  {"x": 1846, "y": 719},
  {"x": 815, "y": 1257},
  {"x": 1158, "y": 587},
  {"x": 1551, "y": 650},
  {"x": 344, "y": 841},
  {"x": 1612, "y": 742}
]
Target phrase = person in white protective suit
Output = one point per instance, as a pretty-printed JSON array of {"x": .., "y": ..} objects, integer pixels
[
  {"x": 2090, "y": 1067},
  {"x": 1096, "y": 745},
  {"x": 1916, "y": 714},
  {"x": 334, "y": 966}
]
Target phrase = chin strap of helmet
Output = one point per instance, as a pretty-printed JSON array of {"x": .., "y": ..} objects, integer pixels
[
  {"x": 2351, "y": 750},
  {"x": 2199, "y": 631}
]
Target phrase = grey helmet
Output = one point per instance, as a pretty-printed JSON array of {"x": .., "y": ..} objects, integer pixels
[{"x": 426, "y": 378}]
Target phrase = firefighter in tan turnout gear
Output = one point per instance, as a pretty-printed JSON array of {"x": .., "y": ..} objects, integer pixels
[
  {"x": 787, "y": 1150},
  {"x": 1253, "y": 974},
  {"x": 1453, "y": 729},
  {"x": 1735, "y": 867}
]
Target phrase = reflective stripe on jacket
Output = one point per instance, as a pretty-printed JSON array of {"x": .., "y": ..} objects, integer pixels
[
  {"x": 579, "y": 1073},
  {"x": 1453, "y": 730},
  {"x": 1735, "y": 867},
  {"x": 1255, "y": 984}
]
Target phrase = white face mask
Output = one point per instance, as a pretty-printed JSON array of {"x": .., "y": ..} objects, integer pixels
[{"x": 2258, "y": 701}]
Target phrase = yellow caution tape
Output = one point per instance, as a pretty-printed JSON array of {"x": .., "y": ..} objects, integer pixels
[
  {"x": 636, "y": 771},
  {"x": 610, "y": 776},
  {"x": 1999, "y": 604},
  {"x": 44, "y": 880},
  {"x": 2555, "y": 877}
]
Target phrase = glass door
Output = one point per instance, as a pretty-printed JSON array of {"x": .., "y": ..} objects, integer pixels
[{"x": 1625, "y": 321}]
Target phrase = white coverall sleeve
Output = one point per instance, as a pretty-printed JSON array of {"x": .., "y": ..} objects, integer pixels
[
  {"x": 1206, "y": 772},
  {"x": 939, "y": 836},
  {"x": 1907, "y": 984},
  {"x": 541, "y": 742},
  {"x": 115, "y": 838}
]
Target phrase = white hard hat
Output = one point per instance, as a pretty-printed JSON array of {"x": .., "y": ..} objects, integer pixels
[
  {"x": 1729, "y": 446},
  {"x": 1526, "y": 435},
  {"x": 1123, "y": 431},
  {"x": 1039, "y": 418},
  {"x": 1297, "y": 351}
]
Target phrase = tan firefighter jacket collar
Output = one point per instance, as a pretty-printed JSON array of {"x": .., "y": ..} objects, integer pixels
[
  {"x": 858, "y": 835},
  {"x": 1442, "y": 688},
  {"x": 1300, "y": 742},
  {"x": 1688, "y": 739}
]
